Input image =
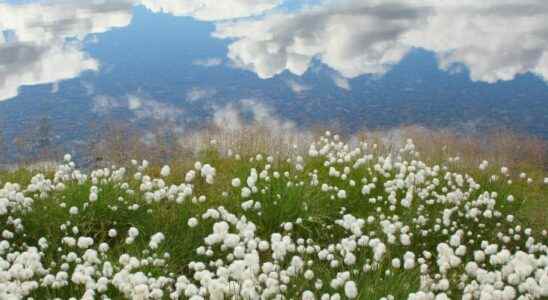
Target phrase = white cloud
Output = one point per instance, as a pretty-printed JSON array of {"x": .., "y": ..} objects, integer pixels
[
  {"x": 143, "y": 108},
  {"x": 150, "y": 109},
  {"x": 94, "y": 39},
  {"x": 55, "y": 87},
  {"x": 29, "y": 64},
  {"x": 297, "y": 87},
  {"x": 104, "y": 104},
  {"x": 33, "y": 36},
  {"x": 228, "y": 117},
  {"x": 248, "y": 126},
  {"x": 354, "y": 38},
  {"x": 495, "y": 39},
  {"x": 88, "y": 87},
  {"x": 198, "y": 93},
  {"x": 55, "y": 20},
  {"x": 208, "y": 62},
  {"x": 38, "y": 52},
  {"x": 341, "y": 82},
  {"x": 235, "y": 116},
  {"x": 211, "y": 10},
  {"x": 134, "y": 102}
]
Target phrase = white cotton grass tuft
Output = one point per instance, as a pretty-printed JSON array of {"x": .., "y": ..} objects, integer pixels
[
  {"x": 350, "y": 290},
  {"x": 246, "y": 192},
  {"x": 236, "y": 182},
  {"x": 192, "y": 222},
  {"x": 155, "y": 240},
  {"x": 166, "y": 171},
  {"x": 313, "y": 225}
]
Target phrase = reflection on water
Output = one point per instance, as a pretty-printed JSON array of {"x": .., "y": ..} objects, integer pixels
[
  {"x": 350, "y": 62},
  {"x": 496, "y": 40},
  {"x": 42, "y": 42},
  {"x": 45, "y": 40}
]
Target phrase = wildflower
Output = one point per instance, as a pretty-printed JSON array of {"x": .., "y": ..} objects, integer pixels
[
  {"x": 190, "y": 175},
  {"x": 396, "y": 263},
  {"x": 73, "y": 210},
  {"x": 484, "y": 164},
  {"x": 155, "y": 240},
  {"x": 246, "y": 192},
  {"x": 166, "y": 170},
  {"x": 236, "y": 182},
  {"x": 112, "y": 233},
  {"x": 84, "y": 242},
  {"x": 133, "y": 232},
  {"x": 350, "y": 289},
  {"x": 482, "y": 249},
  {"x": 208, "y": 172},
  {"x": 103, "y": 247},
  {"x": 308, "y": 295},
  {"x": 93, "y": 197},
  {"x": 192, "y": 222}
]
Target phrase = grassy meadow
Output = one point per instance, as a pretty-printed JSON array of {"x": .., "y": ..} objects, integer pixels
[{"x": 320, "y": 217}]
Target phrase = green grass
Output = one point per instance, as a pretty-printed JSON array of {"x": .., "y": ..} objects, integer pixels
[{"x": 280, "y": 203}]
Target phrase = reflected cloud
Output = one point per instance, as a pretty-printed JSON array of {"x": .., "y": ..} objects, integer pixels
[
  {"x": 41, "y": 42},
  {"x": 341, "y": 82},
  {"x": 197, "y": 93},
  {"x": 297, "y": 87},
  {"x": 150, "y": 109},
  {"x": 54, "y": 20},
  {"x": 55, "y": 87},
  {"x": 355, "y": 37},
  {"x": 495, "y": 39},
  {"x": 235, "y": 116},
  {"x": 142, "y": 108},
  {"x": 44, "y": 44},
  {"x": 30, "y": 64},
  {"x": 88, "y": 87},
  {"x": 211, "y": 10},
  {"x": 208, "y": 62},
  {"x": 104, "y": 104}
]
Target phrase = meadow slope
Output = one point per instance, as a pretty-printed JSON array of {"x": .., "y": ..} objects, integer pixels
[{"x": 358, "y": 218}]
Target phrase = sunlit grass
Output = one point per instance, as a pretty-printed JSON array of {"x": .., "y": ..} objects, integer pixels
[{"x": 289, "y": 200}]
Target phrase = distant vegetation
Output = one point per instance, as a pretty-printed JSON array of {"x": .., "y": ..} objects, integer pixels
[{"x": 259, "y": 213}]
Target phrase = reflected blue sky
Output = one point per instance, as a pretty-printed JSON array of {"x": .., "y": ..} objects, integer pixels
[{"x": 345, "y": 63}]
